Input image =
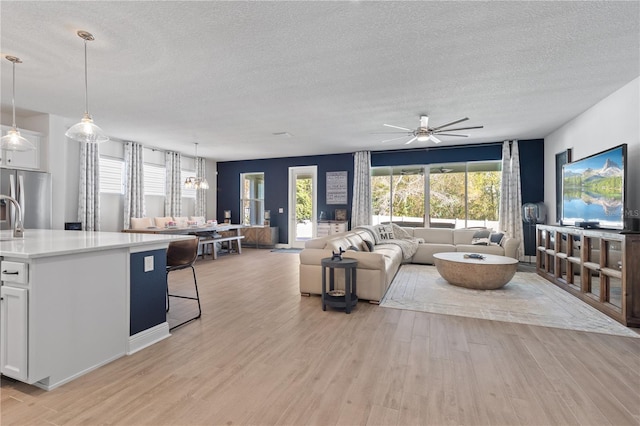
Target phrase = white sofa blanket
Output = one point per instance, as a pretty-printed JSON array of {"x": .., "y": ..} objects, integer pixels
[{"x": 393, "y": 234}]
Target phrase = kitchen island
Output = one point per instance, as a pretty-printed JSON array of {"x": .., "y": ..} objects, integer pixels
[{"x": 72, "y": 301}]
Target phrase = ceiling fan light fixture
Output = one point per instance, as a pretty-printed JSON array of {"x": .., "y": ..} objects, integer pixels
[
  {"x": 12, "y": 141},
  {"x": 422, "y": 138},
  {"x": 86, "y": 130}
]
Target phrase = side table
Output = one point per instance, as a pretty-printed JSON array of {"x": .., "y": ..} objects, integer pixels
[{"x": 347, "y": 300}]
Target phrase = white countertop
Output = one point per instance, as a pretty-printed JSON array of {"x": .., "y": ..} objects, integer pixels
[{"x": 52, "y": 242}]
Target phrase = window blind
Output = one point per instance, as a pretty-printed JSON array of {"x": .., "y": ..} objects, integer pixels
[
  {"x": 154, "y": 180},
  {"x": 111, "y": 176}
]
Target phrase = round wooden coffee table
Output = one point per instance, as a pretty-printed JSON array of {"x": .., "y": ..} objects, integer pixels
[{"x": 489, "y": 273}]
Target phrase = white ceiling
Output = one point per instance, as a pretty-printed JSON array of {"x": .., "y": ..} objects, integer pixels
[{"x": 231, "y": 74}]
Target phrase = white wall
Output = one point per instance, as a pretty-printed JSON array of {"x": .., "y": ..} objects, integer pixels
[
  {"x": 612, "y": 121},
  {"x": 63, "y": 161}
]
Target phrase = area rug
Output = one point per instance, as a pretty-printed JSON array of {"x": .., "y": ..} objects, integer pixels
[{"x": 526, "y": 299}]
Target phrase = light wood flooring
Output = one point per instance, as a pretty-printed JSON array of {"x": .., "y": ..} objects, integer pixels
[{"x": 262, "y": 354}]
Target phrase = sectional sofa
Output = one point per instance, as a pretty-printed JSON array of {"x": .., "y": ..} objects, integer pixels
[{"x": 380, "y": 259}]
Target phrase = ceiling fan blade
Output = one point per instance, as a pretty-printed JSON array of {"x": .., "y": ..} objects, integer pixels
[
  {"x": 398, "y": 127},
  {"x": 434, "y": 139},
  {"x": 394, "y": 139},
  {"x": 451, "y": 134},
  {"x": 391, "y": 133},
  {"x": 451, "y": 124},
  {"x": 411, "y": 140},
  {"x": 458, "y": 128}
]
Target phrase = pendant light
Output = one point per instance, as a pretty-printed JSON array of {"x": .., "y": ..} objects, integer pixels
[
  {"x": 86, "y": 131},
  {"x": 195, "y": 182},
  {"x": 12, "y": 141}
]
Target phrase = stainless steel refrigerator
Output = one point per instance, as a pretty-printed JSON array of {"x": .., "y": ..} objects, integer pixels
[{"x": 33, "y": 192}]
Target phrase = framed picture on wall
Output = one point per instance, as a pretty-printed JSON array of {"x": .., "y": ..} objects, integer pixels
[
  {"x": 562, "y": 158},
  {"x": 341, "y": 214}
]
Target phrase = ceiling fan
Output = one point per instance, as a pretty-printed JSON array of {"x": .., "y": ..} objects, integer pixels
[{"x": 425, "y": 133}]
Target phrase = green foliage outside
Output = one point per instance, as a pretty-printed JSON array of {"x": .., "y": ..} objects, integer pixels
[
  {"x": 304, "y": 208},
  {"x": 447, "y": 195}
]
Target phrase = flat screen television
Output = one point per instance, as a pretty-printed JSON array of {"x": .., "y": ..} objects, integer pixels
[{"x": 593, "y": 190}]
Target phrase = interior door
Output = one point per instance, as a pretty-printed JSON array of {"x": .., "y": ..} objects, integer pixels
[{"x": 302, "y": 204}]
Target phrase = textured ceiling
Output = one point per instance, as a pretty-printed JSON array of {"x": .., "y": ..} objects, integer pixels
[{"x": 231, "y": 74}]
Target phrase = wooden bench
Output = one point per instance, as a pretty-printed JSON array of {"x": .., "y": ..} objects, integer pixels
[{"x": 206, "y": 242}]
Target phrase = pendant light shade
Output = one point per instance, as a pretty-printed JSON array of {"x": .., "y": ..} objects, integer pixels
[
  {"x": 12, "y": 141},
  {"x": 86, "y": 130},
  {"x": 195, "y": 182}
]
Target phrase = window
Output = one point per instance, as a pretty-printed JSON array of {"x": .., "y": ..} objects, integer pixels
[
  {"x": 154, "y": 180},
  {"x": 252, "y": 198},
  {"x": 455, "y": 195},
  {"x": 398, "y": 195},
  {"x": 187, "y": 192},
  {"x": 111, "y": 175}
]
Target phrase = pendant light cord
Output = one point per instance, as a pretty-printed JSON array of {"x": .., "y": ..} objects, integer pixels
[
  {"x": 86, "y": 85},
  {"x": 13, "y": 97}
]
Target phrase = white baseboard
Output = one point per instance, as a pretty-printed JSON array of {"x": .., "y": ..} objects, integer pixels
[
  {"x": 148, "y": 337},
  {"x": 48, "y": 386}
]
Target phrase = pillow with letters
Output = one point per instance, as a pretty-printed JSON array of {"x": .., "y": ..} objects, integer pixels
[{"x": 385, "y": 232}]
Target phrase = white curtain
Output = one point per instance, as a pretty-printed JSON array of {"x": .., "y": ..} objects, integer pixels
[
  {"x": 201, "y": 194},
  {"x": 89, "y": 191},
  {"x": 134, "y": 183},
  {"x": 361, "y": 203},
  {"x": 510, "y": 194},
  {"x": 173, "y": 197}
]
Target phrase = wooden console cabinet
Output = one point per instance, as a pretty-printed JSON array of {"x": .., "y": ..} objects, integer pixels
[
  {"x": 260, "y": 236},
  {"x": 600, "y": 267}
]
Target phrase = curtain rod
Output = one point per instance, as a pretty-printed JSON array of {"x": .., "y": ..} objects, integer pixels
[{"x": 152, "y": 148}]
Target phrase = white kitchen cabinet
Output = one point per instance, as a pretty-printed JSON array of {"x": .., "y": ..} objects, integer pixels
[
  {"x": 13, "y": 331},
  {"x": 22, "y": 159}
]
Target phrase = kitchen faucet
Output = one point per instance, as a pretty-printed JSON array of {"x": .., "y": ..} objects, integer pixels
[{"x": 18, "y": 229}]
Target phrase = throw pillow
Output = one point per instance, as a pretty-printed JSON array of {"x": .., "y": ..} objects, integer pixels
[
  {"x": 399, "y": 232},
  {"x": 367, "y": 246},
  {"x": 497, "y": 238},
  {"x": 481, "y": 237},
  {"x": 354, "y": 248},
  {"x": 385, "y": 232}
]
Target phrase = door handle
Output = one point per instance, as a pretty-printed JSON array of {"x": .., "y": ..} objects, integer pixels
[{"x": 10, "y": 273}]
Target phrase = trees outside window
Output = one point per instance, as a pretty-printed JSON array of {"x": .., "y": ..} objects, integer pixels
[{"x": 454, "y": 195}]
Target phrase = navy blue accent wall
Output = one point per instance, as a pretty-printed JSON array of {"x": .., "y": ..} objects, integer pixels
[
  {"x": 148, "y": 291},
  {"x": 485, "y": 152},
  {"x": 532, "y": 170},
  {"x": 276, "y": 185},
  {"x": 276, "y": 172}
]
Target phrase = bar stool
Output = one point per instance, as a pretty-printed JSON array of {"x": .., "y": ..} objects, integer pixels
[{"x": 182, "y": 255}]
